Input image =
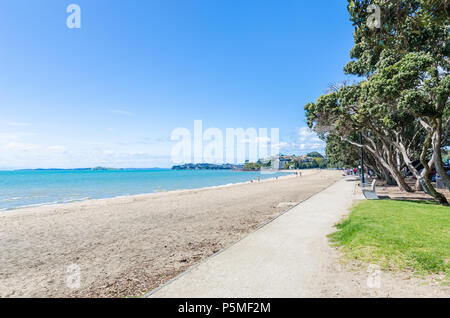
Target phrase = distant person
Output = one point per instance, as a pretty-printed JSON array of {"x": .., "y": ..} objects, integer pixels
[{"x": 259, "y": 179}]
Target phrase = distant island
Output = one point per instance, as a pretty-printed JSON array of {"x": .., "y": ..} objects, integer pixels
[
  {"x": 208, "y": 166},
  {"x": 90, "y": 169}
]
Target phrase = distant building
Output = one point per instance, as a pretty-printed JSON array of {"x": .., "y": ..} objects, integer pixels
[{"x": 283, "y": 162}]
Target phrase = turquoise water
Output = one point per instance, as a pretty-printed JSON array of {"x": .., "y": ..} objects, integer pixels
[{"x": 32, "y": 188}]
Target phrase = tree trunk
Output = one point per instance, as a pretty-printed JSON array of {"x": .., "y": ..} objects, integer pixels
[
  {"x": 418, "y": 184},
  {"x": 428, "y": 188},
  {"x": 388, "y": 178},
  {"x": 422, "y": 179},
  {"x": 386, "y": 164},
  {"x": 396, "y": 174},
  {"x": 438, "y": 162}
]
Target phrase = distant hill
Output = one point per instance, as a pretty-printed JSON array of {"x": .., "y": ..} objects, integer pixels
[
  {"x": 207, "y": 166},
  {"x": 91, "y": 169}
]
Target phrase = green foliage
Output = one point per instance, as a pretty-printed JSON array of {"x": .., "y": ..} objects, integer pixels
[
  {"x": 315, "y": 154},
  {"x": 341, "y": 154},
  {"x": 251, "y": 166},
  {"x": 397, "y": 235},
  {"x": 319, "y": 163},
  {"x": 405, "y": 87},
  {"x": 289, "y": 166},
  {"x": 407, "y": 26}
]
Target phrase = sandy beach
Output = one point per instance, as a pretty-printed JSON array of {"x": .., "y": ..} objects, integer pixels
[{"x": 129, "y": 245}]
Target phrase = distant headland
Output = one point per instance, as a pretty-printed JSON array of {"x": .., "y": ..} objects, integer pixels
[
  {"x": 208, "y": 166},
  {"x": 90, "y": 169}
]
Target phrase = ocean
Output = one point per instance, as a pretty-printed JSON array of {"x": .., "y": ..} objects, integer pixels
[{"x": 20, "y": 189}]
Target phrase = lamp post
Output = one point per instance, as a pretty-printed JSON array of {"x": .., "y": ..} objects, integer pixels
[{"x": 362, "y": 158}]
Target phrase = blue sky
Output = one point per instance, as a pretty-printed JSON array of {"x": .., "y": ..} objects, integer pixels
[{"x": 112, "y": 92}]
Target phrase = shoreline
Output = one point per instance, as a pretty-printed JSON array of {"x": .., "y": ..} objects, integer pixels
[
  {"x": 127, "y": 246},
  {"x": 289, "y": 173}
]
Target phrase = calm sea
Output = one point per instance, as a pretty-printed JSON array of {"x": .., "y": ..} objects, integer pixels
[{"x": 32, "y": 188}]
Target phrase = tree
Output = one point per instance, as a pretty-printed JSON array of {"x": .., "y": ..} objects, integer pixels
[
  {"x": 401, "y": 105},
  {"x": 344, "y": 114},
  {"x": 413, "y": 33},
  {"x": 341, "y": 154},
  {"x": 314, "y": 154},
  {"x": 251, "y": 166}
]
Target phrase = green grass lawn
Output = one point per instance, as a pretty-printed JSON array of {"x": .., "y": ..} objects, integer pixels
[{"x": 398, "y": 235}]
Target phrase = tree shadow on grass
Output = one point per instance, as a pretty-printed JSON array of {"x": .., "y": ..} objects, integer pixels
[{"x": 420, "y": 200}]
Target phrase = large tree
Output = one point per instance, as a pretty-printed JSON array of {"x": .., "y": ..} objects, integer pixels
[
  {"x": 401, "y": 105},
  {"x": 413, "y": 33}
]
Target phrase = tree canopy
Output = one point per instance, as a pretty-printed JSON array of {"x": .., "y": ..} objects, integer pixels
[
  {"x": 314, "y": 154},
  {"x": 401, "y": 103}
]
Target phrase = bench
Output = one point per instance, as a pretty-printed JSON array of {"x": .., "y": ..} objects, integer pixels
[{"x": 370, "y": 192}]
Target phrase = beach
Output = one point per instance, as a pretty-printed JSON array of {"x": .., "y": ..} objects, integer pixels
[{"x": 127, "y": 246}]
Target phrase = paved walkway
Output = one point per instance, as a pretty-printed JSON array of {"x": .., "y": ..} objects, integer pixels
[{"x": 289, "y": 257}]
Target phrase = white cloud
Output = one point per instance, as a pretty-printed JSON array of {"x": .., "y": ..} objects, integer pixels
[
  {"x": 304, "y": 140},
  {"x": 282, "y": 144},
  {"x": 309, "y": 140},
  {"x": 317, "y": 146},
  {"x": 121, "y": 112},
  {"x": 109, "y": 153},
  {"x": 8, "y": 137},
  {"x": 17, "y": 146},
  {"x": 57, "y": 149},
  {"x": 263, "y": 139},
  {"x": 17, "y": 124},
  {"x": 306, "y": 134}
]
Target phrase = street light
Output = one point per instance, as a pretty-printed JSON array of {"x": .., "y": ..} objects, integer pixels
[{"x": 362, "y": 158}]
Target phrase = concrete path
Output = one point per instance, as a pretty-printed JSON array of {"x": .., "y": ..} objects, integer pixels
[{"x": 289, "y": 257}]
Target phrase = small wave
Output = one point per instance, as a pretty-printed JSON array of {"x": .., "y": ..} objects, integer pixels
[
  {"x": 32, "y": 205},
  {"x": 11, "y": 199},
  {"x": 44, "y": 204},
  {"x": 22, "y": 198},
  {"x": 75, "y": 200}
]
